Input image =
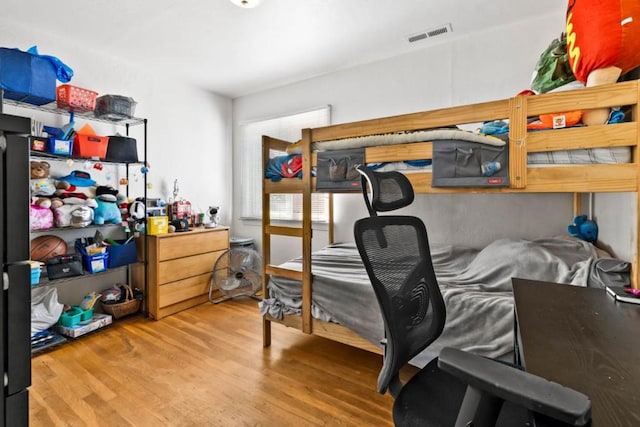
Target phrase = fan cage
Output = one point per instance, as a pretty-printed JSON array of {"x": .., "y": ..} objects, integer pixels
[{"x": 236, "y": 273}]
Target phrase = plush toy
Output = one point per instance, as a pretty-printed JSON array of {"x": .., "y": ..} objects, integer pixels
[
  {"x": 584, "y": 229},
  {"x": 107, "y": 209},
  {"x": 603, "y": 42},
  {"x": 72, "y": 215},
  {"x": 42, "y": 186},
  {"x": 75, "y": 195}
]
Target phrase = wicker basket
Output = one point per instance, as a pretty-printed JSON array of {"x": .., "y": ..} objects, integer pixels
[{"x": 129, "y": 306}]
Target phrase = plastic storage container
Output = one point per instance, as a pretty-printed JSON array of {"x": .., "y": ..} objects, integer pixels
[
  {"x": 122, "y": 254},
  {"x": 71, "y": 317},
  {"x": 86, "y": 314},
  {"x": 35, "y": 275},
  {"x": 60, "y": 147},
  {"x": 90, "y": 146},
  {"x": 114, "y": 107},
  {"x": 94, "y": 263},
  {"x": 75, "y": 98}
]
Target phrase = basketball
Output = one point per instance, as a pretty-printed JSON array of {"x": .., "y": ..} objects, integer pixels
[{"x": 45, "y": 247}]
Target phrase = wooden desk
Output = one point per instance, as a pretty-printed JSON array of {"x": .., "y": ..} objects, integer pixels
[{"x": 583, "y": 339}]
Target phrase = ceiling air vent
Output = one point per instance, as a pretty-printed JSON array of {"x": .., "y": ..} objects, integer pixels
[{"x": 430, "y": 33}]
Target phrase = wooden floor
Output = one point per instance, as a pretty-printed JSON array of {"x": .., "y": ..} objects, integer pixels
[{"x": 206, "y": 367}]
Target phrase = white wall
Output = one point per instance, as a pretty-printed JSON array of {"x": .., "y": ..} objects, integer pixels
[
  {"x": 189, "y": 129},
  {"x": 493, "y": 65}
]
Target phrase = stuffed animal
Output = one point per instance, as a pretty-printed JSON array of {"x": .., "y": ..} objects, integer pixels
[
  {"x": 76, "y": 195},
  {"x": 584, "y": 229},
  {"x": 72, "y": 215},
  {"x": 42, "y": 186},
  {"x": 603, "y": 42},
  {"x": 107, "y": 209}
]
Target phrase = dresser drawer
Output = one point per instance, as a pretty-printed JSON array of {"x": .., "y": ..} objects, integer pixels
[
  {"x": 179, "y": 245},
  {"x": 182, "y": 290},
  {"x": 180, "y": 268}
]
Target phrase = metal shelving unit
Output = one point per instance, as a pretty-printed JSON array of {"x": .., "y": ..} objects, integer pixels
[{"x": 127, "y": 123}]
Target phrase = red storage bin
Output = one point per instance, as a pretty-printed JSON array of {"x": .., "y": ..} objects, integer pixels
[
  {"x": 75, "y": 98},
  {"x": 90, "y": 146}
]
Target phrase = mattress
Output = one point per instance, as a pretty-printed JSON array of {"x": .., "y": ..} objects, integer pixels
[
  {"x": 398, "y": 138},
  {"x": 475, "y": 284},
  {"x": 581, "y": 156}
]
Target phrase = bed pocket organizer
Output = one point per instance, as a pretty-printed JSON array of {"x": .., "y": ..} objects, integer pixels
[
  {"x": 469, "y": 164},
  {"x": 336, "y": 169}
]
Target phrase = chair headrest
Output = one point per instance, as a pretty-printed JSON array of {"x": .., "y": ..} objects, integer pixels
[{"x": 387, "y": 191}]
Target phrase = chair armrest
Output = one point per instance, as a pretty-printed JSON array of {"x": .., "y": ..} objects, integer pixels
[{"x": 510, "y": 384}]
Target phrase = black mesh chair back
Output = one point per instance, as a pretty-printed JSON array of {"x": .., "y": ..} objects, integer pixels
[
  {"x": 385, "y": 191},
  {"x": 457, "y": 388},
  {"x": 395, "y": 253}
]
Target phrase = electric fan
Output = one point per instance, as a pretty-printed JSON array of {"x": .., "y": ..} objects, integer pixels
[{"x": 238, "y": 272}]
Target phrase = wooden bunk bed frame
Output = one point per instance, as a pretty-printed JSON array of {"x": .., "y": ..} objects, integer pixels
[{"x": 574, "y": 179}]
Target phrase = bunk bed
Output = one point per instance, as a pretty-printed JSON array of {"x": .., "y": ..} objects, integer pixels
[{"x": 522, "y": 176}]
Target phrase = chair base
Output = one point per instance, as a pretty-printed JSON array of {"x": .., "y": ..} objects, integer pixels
[{"x": 432, "y": 398}]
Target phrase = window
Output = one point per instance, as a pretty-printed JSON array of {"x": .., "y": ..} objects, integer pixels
[{"x": 284, "y": 207}]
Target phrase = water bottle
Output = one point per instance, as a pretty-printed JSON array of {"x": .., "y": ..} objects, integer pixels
[{"x": 490, "y": 168}]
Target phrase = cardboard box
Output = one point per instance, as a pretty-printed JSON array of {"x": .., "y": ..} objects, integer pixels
[
  {"x": 157, "y": 225},
  {"x": 98, "y": 321}
]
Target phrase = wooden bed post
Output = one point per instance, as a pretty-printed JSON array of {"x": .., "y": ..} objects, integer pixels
[
  {"x": 331, "y": 229},
  {"x": 306, "y": 231},
  {"x": 577, "y": 204},
  {"x": 635, "y": 265},
  {"x": 518, "y": 142},
  {"x": 266, "y": 239}
]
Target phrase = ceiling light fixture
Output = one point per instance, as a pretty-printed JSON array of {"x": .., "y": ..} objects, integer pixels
[{"x": 246, "y": 4}]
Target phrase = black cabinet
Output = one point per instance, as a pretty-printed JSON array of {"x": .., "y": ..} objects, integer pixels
[{"x": 15, "y": 295}]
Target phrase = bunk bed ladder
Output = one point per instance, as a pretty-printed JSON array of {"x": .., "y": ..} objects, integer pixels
[{"x": 304, "y": 232}]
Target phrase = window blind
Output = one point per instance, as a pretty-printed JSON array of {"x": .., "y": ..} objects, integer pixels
[{"x": 284, "y": 207}]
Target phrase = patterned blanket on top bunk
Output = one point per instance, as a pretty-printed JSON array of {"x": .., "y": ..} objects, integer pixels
[{"x": 476, "y": 286}]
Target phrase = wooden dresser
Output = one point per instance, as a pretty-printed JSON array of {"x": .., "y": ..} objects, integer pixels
[{"x": 180, "y": 266}]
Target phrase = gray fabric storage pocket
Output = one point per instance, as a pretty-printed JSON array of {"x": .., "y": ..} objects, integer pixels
[
  {"x": 459, "y": 163},
  {"x": 336, "y": 169}
]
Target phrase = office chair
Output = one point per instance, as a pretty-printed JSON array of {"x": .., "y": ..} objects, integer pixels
[{"x": 457, "y": 388}]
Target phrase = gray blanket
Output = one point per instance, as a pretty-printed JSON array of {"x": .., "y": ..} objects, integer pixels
[{"x": 475, "y": 284}]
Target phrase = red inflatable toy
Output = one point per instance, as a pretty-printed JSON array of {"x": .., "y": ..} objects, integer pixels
[{"x": 603, "y": 42}]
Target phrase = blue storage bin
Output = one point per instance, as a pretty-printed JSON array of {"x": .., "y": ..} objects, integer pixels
[
  {"x": 26, "y": 77},
  {"x": 96, "y": 263},
  {"x": 122, "y": 254},
  {"x": 93, "y": 263},
  {"x": 35, "y": 275},
  {"x": 59, "y": 146}
]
